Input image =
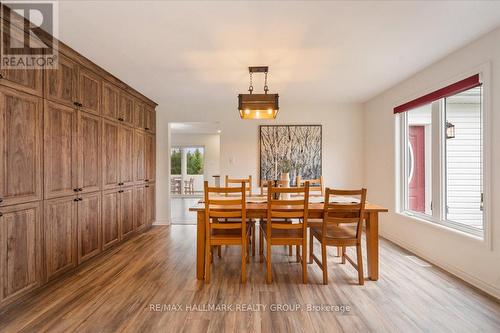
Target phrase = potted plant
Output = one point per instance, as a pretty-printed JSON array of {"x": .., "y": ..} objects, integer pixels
[{"x": 285, "y": 167}]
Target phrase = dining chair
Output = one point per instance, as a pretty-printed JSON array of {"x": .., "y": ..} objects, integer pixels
[
  {"x": 316, "y": 185},
  {"x": 219, "y": 233},
  {"x": 277, "y": 232},
  {"x": 342, "y": 227}
]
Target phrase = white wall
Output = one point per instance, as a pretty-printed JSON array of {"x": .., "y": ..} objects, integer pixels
[
  {"x": 475, "y": 261},
  {"x": 211, "y": 144},
  {"x": 342, "y": 141}
]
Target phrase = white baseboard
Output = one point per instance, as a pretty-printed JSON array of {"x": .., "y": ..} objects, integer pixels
[
  {"x": 476, "y": 282},
  {"x": 161, "y": 222}
]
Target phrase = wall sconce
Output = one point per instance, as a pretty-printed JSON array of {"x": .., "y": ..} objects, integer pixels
[{"x": 450, "y": 130}]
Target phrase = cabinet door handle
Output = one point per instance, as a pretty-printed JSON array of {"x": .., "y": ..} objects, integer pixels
[
  {"x": 80, "y": 199},
  {"x": 146, "y": 180},
  {"x": 75, "y": 190},
  {"x": 120, "y": 119},
  {"x": 146, "y": 186},
  {"x": 75, "y": 199},
  {"x": 1, "y": 214},
  {"x": 120, "y": 191},
  {"x": 120, "y": 184},
  {"x": 80, "y": 189},
  {"x": 146, "y": 128},
  {"x": 76, "y": 104},
  {"x": 1, "y": 200}
]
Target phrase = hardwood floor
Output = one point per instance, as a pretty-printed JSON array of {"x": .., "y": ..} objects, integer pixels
[{"x": 116, "y": 292}]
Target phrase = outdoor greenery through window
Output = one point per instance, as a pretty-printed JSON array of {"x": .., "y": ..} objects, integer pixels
[
  {"x": 193, "y": 158},
  {"x": 194, "y": 161}
]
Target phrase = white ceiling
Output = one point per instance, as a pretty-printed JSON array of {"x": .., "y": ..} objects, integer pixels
[{"x": 191, "y": 54}]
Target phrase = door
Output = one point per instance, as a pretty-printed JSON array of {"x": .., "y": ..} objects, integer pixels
[
  {"x": 110, "y": 171},
  {"x": 60, "y": 234},
  {"x": 149, "y": 119},
  {"x": 126, "y": 110},
  {"x": 27, "y": 80},
  {"x": 110, "y": 218},
  {"x": 126, "y": 155},
  {"x": 110, "y": 100},
  {"x": 60, "y": 156},
  {"x": 20, "y": 147},
  {"x": 150, "y": 157},
  {"x": 140, "y": 207},
  {"x": 89, "y": 152},
  {"x": 20, "y": 250},
  {"x": 61, "y": 83},
  {"x": 89, "y": 91},
  {"x": 139, "y": 157},
  {"x": 89, "y": 226},
  {"x": 139, "y": 114},
  {"x": 150, "y": 204},
  {"x": 126, "y": 211},
  {"x": 416, "y": 186}
]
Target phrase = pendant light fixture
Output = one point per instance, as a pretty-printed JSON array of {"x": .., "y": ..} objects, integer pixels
[{"x": 258, "y": 106}]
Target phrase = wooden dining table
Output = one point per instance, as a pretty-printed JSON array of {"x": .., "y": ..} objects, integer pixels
[{"x": 257, "y": 209}]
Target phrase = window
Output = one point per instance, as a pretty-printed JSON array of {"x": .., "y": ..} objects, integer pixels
[
  {"x": 194, "y": 161},
  {"x": 175, "y": 161},
  {"x": 442, "y": 157}
]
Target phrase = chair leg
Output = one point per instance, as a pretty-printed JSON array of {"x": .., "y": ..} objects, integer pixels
[
  {"x": 304, "y": 260},
  {"x": 359, "y": 255},
  {"x": 343, "y": 254},
  {"x": 253, "y": 240},
  {"x": 324, "y": 261},
  {"x": 208, "y": 260},
  {"x": 219, "y": 251},
  {"x": 261, "y": 245},
  {"x": 297, "y": 252},
  {"x": 339, "y": 251},
  {"x": 269, "y": 276},
  {"x": 290, "y": 251},
  {"x": 244, "y": 261},
  {"x": 311, "y": 247}
]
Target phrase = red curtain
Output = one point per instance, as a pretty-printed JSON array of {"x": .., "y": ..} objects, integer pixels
[{"x": 452, "y": 89}]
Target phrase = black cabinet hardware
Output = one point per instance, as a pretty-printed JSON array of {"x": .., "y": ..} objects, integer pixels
[
  {"x": 1, "y": 200},
  {"x": 75, "y": 199},
  {"x": 146, "y": 128},
  {"x": 80, "y": 189},
  {"x": 80, "y": 199},
  {"x": 75, "y": 190},
  {"x": 146, "y": 186},
  {"x": 146, "y": 180},
  {"x": 120, "y": 191},
  {"x": 120, "y": 184},
  {"x": 1, "y": 214},
  {"x": 120, "y": 119}
]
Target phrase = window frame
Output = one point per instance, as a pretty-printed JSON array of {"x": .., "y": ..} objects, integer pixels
[{"x": 438, "y": 217}]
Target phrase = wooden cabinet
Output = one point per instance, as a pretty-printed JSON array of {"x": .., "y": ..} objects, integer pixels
[
  {"x": 149, "y": 119},
  {"x": 150, "y": 149},
  {"x": 139, "y": 157},
  {"x": 89, "y": 152},
  {"x": 89, "y": 91},
  {"x": 89, "y": 226},
  {"x": 126, "y": 110},
  {"x": 110, "y": 218},
  {"x": 150, "y": 204},
  {"x": 139, "y": 114},
  {"x": 20, "y": 250},
  {"x": 21, "y": 121},
  {"x": 60, "y": 156},
  {"x": 140, "y": 207},
  {"x": 126, "y": 155},
  {"x": 126, "y": 197},
  {"x": 110, "y": 100},
  {"x": 61, "y": 84},
  {"x": 27, "y": 80},
  {"x": 60, "y": 235},
  {"x": 110, "y": 154}
]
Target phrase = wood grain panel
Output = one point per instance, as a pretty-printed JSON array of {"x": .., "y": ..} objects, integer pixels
[
  {"x": 139, "y": 157},
  {"x": 126, "y": 155},
  {"x": 89, "y": 91},
  {"x": 126, "y": 110},
  {"x": 89, "y": 152},
  {"x": 139, "y": 207},
  {"x": 20, "y": 147},
  {"x": 60, "y": 153},
  {"x": 60, "y": 235},
  {"x": 61, "y": 84},
  {"x": 110, "y": 154},
  {"x": 149, "y": 119},
  {"x": 110, "y": 100},
  {"x": 89, "y": 226},
  {"x": 150, "y": 204},
  {"x": 139, "y": 111},
  {"x": 150, "y": 149},
  {"x": 20, "y": 250},
  {"x": 126, "y": 211},
  {"x": 110, "y": 218}
]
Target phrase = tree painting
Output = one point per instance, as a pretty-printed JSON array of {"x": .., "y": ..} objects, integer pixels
[{"x": 296, "y": 148}]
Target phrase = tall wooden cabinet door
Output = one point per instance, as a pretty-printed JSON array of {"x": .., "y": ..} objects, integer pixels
[
  {"x": 110, "y": 100},
  {"x": 110, "y": 218},
  {"x": 149, "y": 119},
  {"x": 61, "y": 84},
  {"x": 21, "y": 121},
  {"x": 20, "y": 250},
  {"x": 150, "y": 157},
  {"x": 139, "y": 157},
  {"x": 60, "y": 235},
  {"x": 126, "y": 211},
  {"x": 126, "y": 155},
  {"x": 140, "y": 207},
  {"x": 150, "y": 204},
  {"x": 60, "y": 155},
  {"x": 89, "y": 226},
  {"x": 139, "y": 114},
  {"x": 27, "y": 80},
  {"x": 89, "y": 91},
  {"x": 89, "y": 152},
  {"x": 110, "y": 154},
  {"x": 126, "y": 110}
]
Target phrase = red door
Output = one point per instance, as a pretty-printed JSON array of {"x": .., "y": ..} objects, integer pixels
[{"x": 416, "y": 186}]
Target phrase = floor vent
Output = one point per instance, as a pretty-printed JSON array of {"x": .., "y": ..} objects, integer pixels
[{"x": 419, "y": 261}]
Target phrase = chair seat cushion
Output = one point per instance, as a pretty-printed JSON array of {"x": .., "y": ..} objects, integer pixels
[{"x": 335, "y": 232}]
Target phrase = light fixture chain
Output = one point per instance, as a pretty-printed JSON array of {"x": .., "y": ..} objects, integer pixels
[
  {"x": 266, "y": 88},
  {"x": 250, "y": 88}
]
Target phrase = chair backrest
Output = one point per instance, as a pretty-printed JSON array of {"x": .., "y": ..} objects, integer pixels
[
  {"x": 344, "y": 207},
  {"x": 316, "y": 185},
  {"x": 248, "y": 183},
  {"x": 264, "y": 183},
  {"x": 295, "y": 208},
  {"x": 219, "y": 206}
]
